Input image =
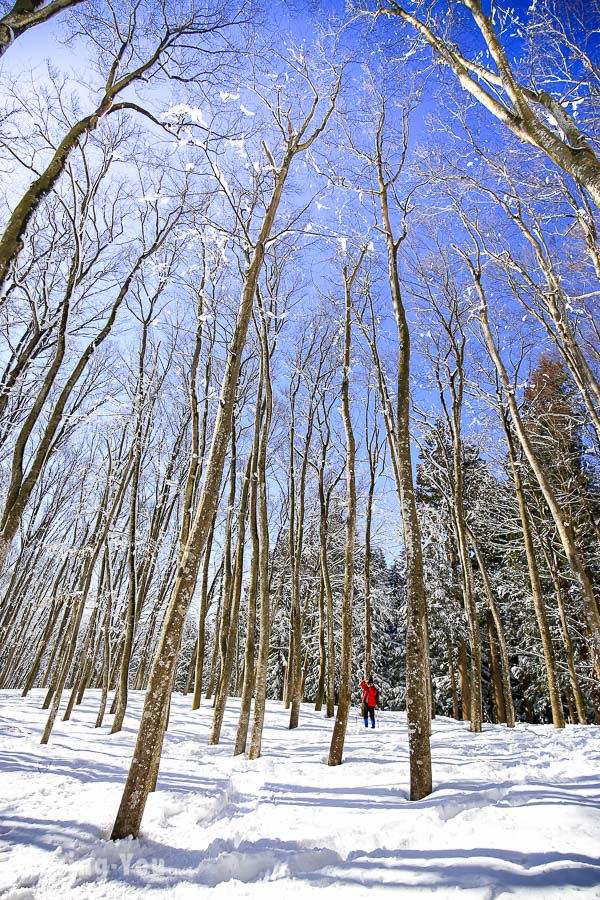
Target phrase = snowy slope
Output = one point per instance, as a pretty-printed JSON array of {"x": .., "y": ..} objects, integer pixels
[{"x": 512, "y": 813}]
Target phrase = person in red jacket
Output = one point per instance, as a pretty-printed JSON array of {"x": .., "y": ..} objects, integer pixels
[{"x": 370, "y": 699}]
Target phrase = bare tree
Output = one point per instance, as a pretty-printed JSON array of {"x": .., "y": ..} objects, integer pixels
[
  {"x": 376, "y": 458},
  {"x": 260, "y": 678},
  {"x": 326, "y": 685},
  {"x": 562, "y": 524},
  {"x": 146, "y": 390},
  {"x": 22, "y": 482},
  {"x": 448, "y": 360},
  {"x": 338, "y": 736},
  {"x": 504, "y": 699},
  {"x": 529, "y": 111},
  {"x": 397, "y": 423},
  {"x": 144, "y": 766},
  {"x": 268, "y": 329},
  {"x": 312, "y": 350},
  {"x": 126, "y": 60}
]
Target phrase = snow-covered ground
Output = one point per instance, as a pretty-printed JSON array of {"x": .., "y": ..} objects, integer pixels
[{"x": 512, "y": 813}]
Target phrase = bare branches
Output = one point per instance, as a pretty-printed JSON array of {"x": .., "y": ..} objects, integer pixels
[
  {"x": 129, "y": 64},
  {"x": 516, "y": 105},
  {"x": 26, "y": 14}
]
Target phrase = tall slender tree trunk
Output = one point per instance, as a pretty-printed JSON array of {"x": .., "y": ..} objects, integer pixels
[
  {"x": 569, "y": 649},
  {"x": 260, "y": 678},
  {"x": 463, "y": 677},
  {"x": 367, "y": 577},
  {"x": 322, "y": 648},
  {"x": 498, "y": 646},
  {"x": 452, "y": 676},
  {"x": 295, "y": 667},
  {"x": 248, "y": 681},
  {"x": 329, "y": 636},
  {"x": 558, "y": 718},
  {"x": 561, "y": 521},
  {"x": 417, "y": 661},
  {"x": 106, "y": 640},
  {"x": 495, "y": 671},
  {"x": 202, "y": 613},
  {"x": 475, "y": 710},
  {"x": 123, "y": 684},
  {"x": 227, "y": 658},
  {"x": 336, "y": 748},
  {"x": 148, "y": 747},
  {"x": 228, "y": 573}
]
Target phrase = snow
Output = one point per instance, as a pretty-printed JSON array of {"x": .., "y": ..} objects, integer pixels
[
  {"x": 183, "y": 111},
  {"x": 151, "y": 197},
  {"x": 238, "y": 145},
  {"x": 513, "y": 813}
]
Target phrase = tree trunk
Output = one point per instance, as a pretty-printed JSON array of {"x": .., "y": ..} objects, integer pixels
[
  {"x": 248, "y": 681},
  {"x": 536, "y": 587},
  {"x": 569, "y": 650},
  {"x": 505, "y": 705},
  {"x": 452, "y": 676},
  {"x": 230, "y": 649},
  {"x": 295, "y": 665},
  {"x": 417, "y": 662},
  {"x": 328, "y": 593},
  {"x": 106, "y": 641},
  {"x": 495, "y": 672},
  {"x": 475, "y": 711},
  {"x": 201, "y": 636},
  {"x": 150, "y": 736},
  {"x": 322, "y": 649},
  {"x": 560, "y": 519},
  {"x": 341, "y": 720},
  {"x": 568, "y": 148},
  {"x": 463, "y": 677},
  {"x": 260, "y": 678},
  {"x": 367, "y": 577}
]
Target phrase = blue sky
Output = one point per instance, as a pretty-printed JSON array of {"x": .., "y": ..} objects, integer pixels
[{"x": 340, "y": 213}]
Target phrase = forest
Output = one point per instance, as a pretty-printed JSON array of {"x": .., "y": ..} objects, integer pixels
[{"x": 300, "y": 364}]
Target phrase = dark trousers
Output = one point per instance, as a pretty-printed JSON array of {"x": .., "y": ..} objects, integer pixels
[{"x": 368, "y": 713}]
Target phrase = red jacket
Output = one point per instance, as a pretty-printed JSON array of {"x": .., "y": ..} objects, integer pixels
[{"x": 369, "y": 694}]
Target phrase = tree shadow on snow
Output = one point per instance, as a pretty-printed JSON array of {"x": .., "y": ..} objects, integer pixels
[
  {"x": 84, "y": 770},
  {"x": 499, "y": 870},
  {"x": 87, "y": 856}
]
